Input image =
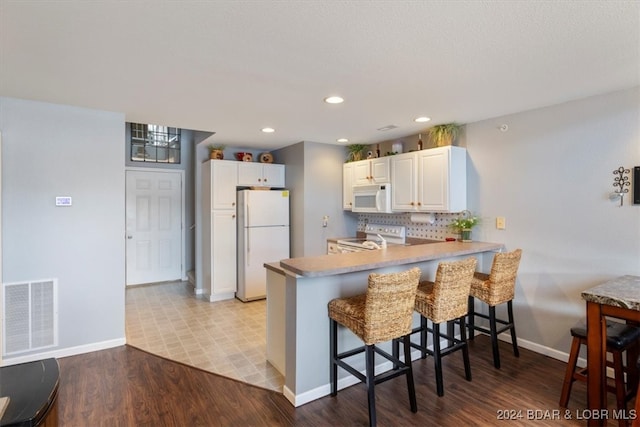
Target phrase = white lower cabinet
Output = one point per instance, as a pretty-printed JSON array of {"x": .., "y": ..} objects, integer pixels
[{"x": 223, "y": 282}]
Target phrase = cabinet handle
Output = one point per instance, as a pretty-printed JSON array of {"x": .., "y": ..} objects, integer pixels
[
  {"x": 233, "y": 216},
  {"x": 259, "y": 179},
  {"x": 265, "y": 180},
  {"x": 233, "y": 204},
  {"x": 419, "y": 204},
  {"x": 412, "y": 204}
]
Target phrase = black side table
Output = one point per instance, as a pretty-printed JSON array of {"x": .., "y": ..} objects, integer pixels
[{"x": 33, "y": 391}]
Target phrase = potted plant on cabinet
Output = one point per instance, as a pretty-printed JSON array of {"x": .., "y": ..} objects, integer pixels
[
  {"x": 443, "y": 135},
  {"x": 216, "y": 151},
  {"x": 355, "y": 152},
  {"x": 464, "y": 224}
]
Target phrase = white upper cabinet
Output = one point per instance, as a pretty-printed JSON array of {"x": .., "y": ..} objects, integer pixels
[
  {"x": 372, "y": 171},
  {"x": 433, "y": 180},
  {"x": 381, "y": 170},
  {"x": 347, "y": 184},
  {"x": 404, "y": 168},
  {"x": 252, "y": 174},
  {"x": 223, "y": 176}
]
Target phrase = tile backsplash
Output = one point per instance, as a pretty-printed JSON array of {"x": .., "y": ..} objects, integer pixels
[{"x": 439, "y": 230}]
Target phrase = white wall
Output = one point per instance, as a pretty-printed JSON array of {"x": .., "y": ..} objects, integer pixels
[
  {"x": 550, "y": 175},
  {"x": 53, "y": 150},
  {"x": 314, "y": 176}
]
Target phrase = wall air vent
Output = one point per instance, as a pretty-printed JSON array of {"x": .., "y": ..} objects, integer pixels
[{"x": 30, "y": 316}]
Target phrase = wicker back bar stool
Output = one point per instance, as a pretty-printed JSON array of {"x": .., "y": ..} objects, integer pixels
[
  {"x": 444, "y": 301},
  {"x": 495, "y": 288},
  {"x": 383, "y": 314}
]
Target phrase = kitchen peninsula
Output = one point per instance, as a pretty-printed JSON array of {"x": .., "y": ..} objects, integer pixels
[{"x": 298, "y": 290}]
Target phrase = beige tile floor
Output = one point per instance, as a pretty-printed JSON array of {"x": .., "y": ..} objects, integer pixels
[{"x": 226, "y": 337}]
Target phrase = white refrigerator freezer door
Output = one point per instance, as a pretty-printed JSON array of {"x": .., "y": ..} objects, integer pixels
[
  {"x": 263, "y": 245},
  {"x": 264, "y": 208}
]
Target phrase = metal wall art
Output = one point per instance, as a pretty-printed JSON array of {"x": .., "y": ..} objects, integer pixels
[{"x": 619, "y": 183}]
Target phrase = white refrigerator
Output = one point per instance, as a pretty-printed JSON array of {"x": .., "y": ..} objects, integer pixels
[{"x": 263, "y": 237}]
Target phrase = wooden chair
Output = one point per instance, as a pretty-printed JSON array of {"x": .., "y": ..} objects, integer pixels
[
  {"x": 621, "y": 338},
  {"x": 495, "y": 288},
  {"x": 382, "y": 314},
  {"x": 443, "y": 301}
]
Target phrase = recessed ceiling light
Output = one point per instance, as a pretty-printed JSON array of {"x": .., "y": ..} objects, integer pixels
[
  {"x": 334, "y": 100},
  {"x": 268, "y": 130},
  {"x": 421, "y": 119},
  {"x": 343, "y": 140}
]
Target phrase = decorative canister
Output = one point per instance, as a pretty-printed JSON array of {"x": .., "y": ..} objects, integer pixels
[
  {"x": 266, "y": 158},
  {"x": 396, "y": 147}
]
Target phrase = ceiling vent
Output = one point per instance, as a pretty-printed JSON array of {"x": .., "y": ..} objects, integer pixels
[{"x": 387, "y": 127}]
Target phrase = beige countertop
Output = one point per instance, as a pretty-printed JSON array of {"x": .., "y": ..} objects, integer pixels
[
  {"x": 327, "y": 265},
  {"x": 622, "y": 292}
]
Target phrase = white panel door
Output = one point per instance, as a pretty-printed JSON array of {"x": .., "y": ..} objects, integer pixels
[{"x": 154, "y": 226}]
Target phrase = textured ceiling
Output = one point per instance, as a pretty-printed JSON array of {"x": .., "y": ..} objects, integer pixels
[{"x": 233, "y": 67}]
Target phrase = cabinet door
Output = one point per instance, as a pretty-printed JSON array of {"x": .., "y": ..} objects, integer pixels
[
  {"x": 361, "y": 172},
  {"x": 223, "y": 184},
  {"x": 403, "y": 181},
  {"x": 273, "y": 175},
  {"x": 249, "y": 174},
  {"x": 380, "y": 170},
  {"x": 223, "y": 251},
  {"x": 347, "y": 186},
  {"x": 433, "y": 180}
]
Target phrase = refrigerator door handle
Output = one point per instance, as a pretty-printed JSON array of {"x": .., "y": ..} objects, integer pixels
[{"x": 247, "y": 245}]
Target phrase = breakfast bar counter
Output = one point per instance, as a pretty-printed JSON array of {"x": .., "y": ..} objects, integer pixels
[
  {"x": 327, "y": 265},
  {"x": 299, "y": 289}
]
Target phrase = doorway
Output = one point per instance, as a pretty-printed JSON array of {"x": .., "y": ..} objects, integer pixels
[{"x": 154, "y": 226}]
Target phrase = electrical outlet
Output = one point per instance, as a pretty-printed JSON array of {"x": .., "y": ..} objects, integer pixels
[{"x": 501, "y": 223}]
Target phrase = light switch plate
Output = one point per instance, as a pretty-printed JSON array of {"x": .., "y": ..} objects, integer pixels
[{"x": 501, "y": 223}]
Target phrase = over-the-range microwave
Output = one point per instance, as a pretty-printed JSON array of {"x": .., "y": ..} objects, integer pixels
[{"x": 371, "y": 198}]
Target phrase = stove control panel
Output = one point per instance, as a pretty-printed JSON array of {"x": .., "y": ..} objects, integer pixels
[{"x": 395, "y": 233}]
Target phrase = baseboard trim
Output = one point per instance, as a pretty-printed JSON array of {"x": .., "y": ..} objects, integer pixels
[
  {"x": 65, "y": 352},
  {"x": 324, "y": 390}
]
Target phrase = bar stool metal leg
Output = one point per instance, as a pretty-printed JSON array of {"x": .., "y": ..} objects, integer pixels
[
  {"x": 514, "y": 340},
  {"x": 333, "y": 350},
  {"x": 494, "y": 336},
  {"x": 410, "y": 383},
  {"x": 465, "y": 350},
  {"x": 371, "y": 383}
]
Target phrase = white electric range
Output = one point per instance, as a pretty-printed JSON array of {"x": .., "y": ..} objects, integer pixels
[{"x": 378, "y": 236}]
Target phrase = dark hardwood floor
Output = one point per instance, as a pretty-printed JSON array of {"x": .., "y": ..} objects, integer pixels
[{"x": 125, "y": 386}]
